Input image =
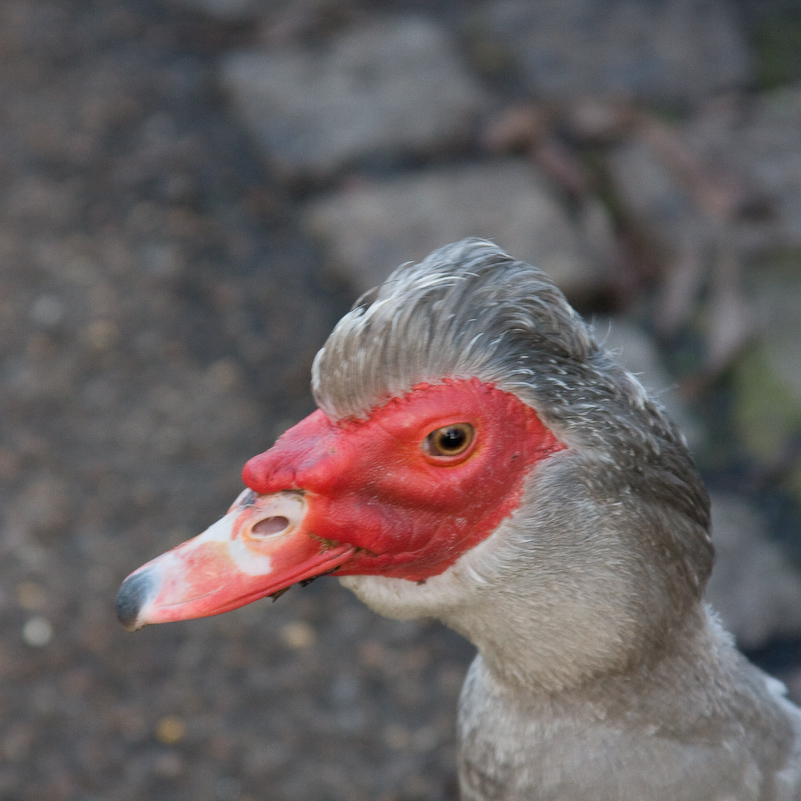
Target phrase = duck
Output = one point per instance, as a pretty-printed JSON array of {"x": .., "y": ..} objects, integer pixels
[{"x": 477, "y": 457}]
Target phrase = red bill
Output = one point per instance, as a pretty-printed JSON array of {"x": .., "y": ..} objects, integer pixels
[{"x": 258, "y": 549}]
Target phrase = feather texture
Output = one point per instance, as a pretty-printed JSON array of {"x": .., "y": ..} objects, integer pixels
[{"x": 600, "y": 674}]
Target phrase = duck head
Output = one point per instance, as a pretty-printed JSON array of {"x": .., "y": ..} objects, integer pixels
[{"x": 477, "y": 457}]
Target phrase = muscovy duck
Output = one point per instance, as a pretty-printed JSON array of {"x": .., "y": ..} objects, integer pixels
[{"x": 477, "y": 457}]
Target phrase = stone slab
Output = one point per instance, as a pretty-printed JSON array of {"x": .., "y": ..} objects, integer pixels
[
  {"x": 754, "y": 587},
  {"x": 650, "y": 50},
  {"x": 368, "y": 230},
  {"x": 391, "y": 87}
]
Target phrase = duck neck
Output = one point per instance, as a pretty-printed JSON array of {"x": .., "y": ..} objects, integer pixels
[{"x": 526, "y": 652}]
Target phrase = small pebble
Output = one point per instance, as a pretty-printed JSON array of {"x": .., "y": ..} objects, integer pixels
[
  {"x": 397, "y": 737},
  {"x": 425, "y": 739},
  {"x": 37, "y": 631},
  {"x": 372, "y": 653},
  {"x": 31, "y": 596},
  {"x": 298, "y": 635},
  {"x": 170, "y": 730},
  {"x": 224, "y": 374},
  {"x": 168, "y": 766},
  {"x": 102, "y": 334},
  {"x": 47, "y": 311},
  {"x": 132, "y": 726}
]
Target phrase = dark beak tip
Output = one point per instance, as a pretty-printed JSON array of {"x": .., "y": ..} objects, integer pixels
[{"x": 132, "y": 595}]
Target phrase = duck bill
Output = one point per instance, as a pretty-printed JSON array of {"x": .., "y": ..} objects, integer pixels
[{"x": 259, "y": 548}]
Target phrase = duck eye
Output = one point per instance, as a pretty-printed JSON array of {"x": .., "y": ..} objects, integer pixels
[{"x": 450, "y": 440}]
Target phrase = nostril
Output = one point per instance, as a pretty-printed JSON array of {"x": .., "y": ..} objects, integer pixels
[{"x": 270, "y": 526}]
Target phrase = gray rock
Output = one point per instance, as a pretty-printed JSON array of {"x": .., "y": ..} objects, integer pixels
[
  {"x": 392, "y": 87},
  {"x": 754, "y": 588},
  {"x": 652, "y": 50},
  {"x": 226, "y": 10},
  {"x": 369, "y": 230}
]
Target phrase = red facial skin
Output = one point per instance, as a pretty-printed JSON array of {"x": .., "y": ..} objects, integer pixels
[
  {"x": 371, "y": 483},
  {"x": 359, "y": 496}
]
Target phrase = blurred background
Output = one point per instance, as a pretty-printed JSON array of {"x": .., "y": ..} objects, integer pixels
[{"x": 193, "y": 192}]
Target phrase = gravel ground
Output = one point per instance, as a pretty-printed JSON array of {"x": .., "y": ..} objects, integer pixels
[
  {"x": 158, "y": 316},
  {"x": 159, "y": 311}
]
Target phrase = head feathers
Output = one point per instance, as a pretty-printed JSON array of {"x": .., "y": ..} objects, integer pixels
[{"x": 470, "y": 310}]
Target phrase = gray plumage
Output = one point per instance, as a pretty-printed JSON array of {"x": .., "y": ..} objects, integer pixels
[{"x": 600, "y": 676}]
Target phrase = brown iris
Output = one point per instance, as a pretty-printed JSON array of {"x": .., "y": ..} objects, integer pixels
[{"x": 449, "y": 441}]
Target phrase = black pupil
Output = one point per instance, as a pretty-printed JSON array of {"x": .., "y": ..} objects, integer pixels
[{"x": 452, "y": 439}]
